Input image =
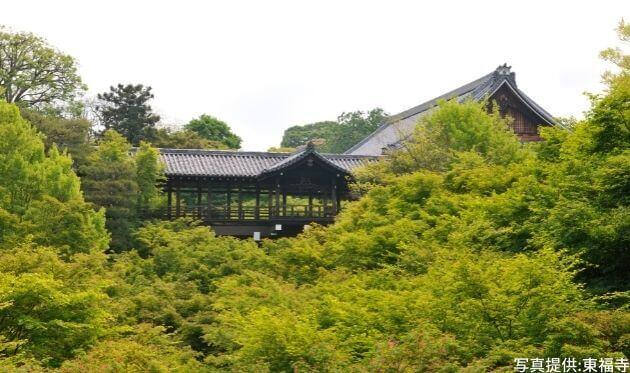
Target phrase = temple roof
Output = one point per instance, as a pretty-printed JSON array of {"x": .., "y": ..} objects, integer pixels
[
  {"x": 477, "y": 90},
  {"x": 230, "y": 163}
]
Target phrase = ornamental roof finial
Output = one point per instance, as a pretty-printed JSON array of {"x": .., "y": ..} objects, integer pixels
[
  {"x": 505, "y": 72},
  {"x": 504, "y": 69}
]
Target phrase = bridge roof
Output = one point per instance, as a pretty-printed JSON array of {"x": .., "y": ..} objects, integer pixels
[{"x": 231, "y": 163}]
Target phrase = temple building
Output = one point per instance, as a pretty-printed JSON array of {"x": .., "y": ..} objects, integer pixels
[
  {"x": 264, "y": 194},
  {"x": 498, "y": 86}
]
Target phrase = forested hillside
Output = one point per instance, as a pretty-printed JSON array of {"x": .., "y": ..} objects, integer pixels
[{"x": 466, "y": 250}]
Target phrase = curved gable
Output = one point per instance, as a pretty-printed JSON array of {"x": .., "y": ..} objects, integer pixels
[{"x": 526, "y": 120}]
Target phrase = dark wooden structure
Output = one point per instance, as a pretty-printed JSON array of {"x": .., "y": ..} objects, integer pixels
[{"x": 240, "y": 193}]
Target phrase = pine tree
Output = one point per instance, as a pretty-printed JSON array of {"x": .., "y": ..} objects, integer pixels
[{"x": 125, "y": 109}]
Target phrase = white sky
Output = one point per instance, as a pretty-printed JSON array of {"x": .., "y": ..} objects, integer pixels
[{"x": 263, "y": 66}]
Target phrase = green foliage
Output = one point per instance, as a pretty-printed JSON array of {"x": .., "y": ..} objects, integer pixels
[
  {"x": 71, "y": 135},
  {"x": 147, "y": 350},
  {"x": 109, "y": 181},
  {"x": 457, "y": 128},
  {"x": 281, "y": 149},
  {"x": 354, "y": 127},
  {"x": 40, "y": 194},
  {"x": 149, "y": 176},
  {"x": 458, "y": 133},
  {"x": 335, "y": 137},
  {"x": 185, "y": 139},
  {"x": 466, "y": 250},
  {"x": 213, "y": 129},
  {"x": 173, "y": 285},
  {"x": 465, "y": 261},
  {"x": 50, "y": 308},
  {"x": 617, "y": 55},
  {"x": 609, "y": 119},
  {"x": 126, "y": 185},
  {"x": 34, "y": 74},
  {"x": 125, "y": 109},
  {"x": 300, "y": 135}
]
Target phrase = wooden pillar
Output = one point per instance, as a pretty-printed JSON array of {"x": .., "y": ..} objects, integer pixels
[
  {"x": 169, "y": 202},
  {"x": 284, "y": 202},
  {"x": 240, "y": 202},
  {"x": 178, "y": 203},
  {"x": 228, "y": 207},
  {"x": 310, "y": 203},
  {"x": 324, "y": 202},
  {"x": 209, "y": 212},
  {"x": 270, "y": 202},
  {"x": 257, "y": 208},
  {"x": 277, "y": 197},
  {"x": 333, "y": 197},
  {"x": 198, "y": 199}
]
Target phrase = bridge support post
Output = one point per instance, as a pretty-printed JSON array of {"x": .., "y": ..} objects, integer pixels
[
  {"x": 198, "y": 200},
  {"x": 277, "y": 197},
  {"x": 228, "y": 209},
  {"x": 310, "y": 203},
  {"x": 209, "y": 212},
  {"x": 269, "y": 203},
  {"x": 240, "y": 203},
  {"x": 178, "y": 203},
  {"x": 169, "y": 202},
  {"x": 257, "y": 208},
  {"x": 333, "y": 193}
]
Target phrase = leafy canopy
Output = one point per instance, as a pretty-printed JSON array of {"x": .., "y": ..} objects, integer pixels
[
  {"x": 213, "y": 129},
  {"x": 40, "y": 195},
  {"x": 68, "y": 134},
  {"x": 184, "y": 139},
  {"x": 34, "y": 74},
  {"x": 335, "y": 137}
]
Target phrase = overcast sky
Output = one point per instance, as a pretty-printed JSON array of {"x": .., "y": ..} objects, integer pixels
[{"x": 263, "y": 66}]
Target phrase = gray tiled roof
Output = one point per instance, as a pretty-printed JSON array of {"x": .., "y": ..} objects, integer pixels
[
  {"x": 399, "y": 126},
  {"x": 334, "y": 162},
  {"x": 225, "y": 163}
]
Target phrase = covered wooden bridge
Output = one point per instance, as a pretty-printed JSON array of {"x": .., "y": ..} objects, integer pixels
[{"x": 257, "y": 193}]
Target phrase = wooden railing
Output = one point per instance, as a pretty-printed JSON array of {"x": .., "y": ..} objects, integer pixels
[{"x": 245, "y": 213}]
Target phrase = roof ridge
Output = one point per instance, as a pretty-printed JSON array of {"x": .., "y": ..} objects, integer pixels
[
  {"x": 197, "y": 162},
  {"x": 468, "y": 87},
  {"x": 219, "y": 152}
]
